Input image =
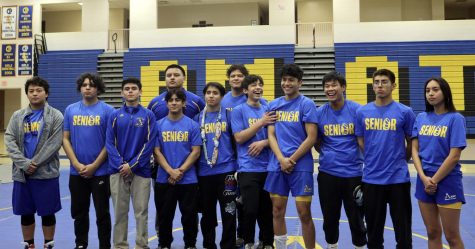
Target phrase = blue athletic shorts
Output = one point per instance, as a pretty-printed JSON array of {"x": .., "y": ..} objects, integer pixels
[
  {"x": 39, "y": 196},
  {"x": 299, "y": 183},
  {"x": 449, "y": 190}
]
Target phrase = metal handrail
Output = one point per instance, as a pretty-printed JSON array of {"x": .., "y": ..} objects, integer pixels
[
  {"x": 315, "y": 34},
  {"x": 39, "y": 49},
  {"x": 118, "y": 39}
]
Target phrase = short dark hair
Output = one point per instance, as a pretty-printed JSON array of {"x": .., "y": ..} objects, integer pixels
[
  {"x": 291, "y": 70},
  {"x": 176, "y": 66},
  {"x": 217, "y": 85},
  {"x": 445, "y": 88},
  {"x": 95, "y": 80},
  {"x": 132, "y": 81},
  {"x": 251, "y": 79},
  {"x": 334, "y": 76},
  {"x": 235, "y": 67},
  {"x": 180, "y": 94},
  {"x": 385, "y": 72},
  {"x": 37, "y": 81}
]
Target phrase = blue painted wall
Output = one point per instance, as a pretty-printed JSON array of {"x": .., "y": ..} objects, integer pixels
[{"x": 61, "y": 69}]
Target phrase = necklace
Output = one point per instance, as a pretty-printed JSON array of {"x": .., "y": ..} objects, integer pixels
[{"x": 217, "y": 135}]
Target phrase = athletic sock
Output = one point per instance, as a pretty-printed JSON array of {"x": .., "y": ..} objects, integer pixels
[
  {"x": 360, "y": 247},
  {"x": 332, "y": 246},
  {"x": 280, "y": 241}
]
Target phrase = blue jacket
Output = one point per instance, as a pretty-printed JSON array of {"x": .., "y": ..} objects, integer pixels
[
  {"x": 194, "y": 105},
  {"x": 130, "y": 138}
]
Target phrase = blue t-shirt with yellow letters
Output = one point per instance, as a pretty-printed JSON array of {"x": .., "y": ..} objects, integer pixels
[
  {"x": 290, "y": 129},
  {"x": 384, "y": 129},
  {"x": 32, "y": 127},
  {"x": 436, "y": 135},
  {"x": 176, "y": 139},
  {"x": 243, "y": 117},
  {"x": 339, "y": 152}
]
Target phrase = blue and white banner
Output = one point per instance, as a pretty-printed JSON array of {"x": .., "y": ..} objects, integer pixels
[
  {"x": 9, "y": 19},
  {"x": 25, "y": 59},
  {"x": 25, "y": 21},
  {"x": 8, "y": 60}
]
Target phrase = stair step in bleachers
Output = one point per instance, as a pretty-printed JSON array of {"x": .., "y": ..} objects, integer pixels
[
  {"x": 315, "y": 62},
  {"x": 111, "y": 68}
]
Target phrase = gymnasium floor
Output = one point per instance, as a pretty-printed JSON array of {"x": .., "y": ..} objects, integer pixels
[{"x": 11, "y": 233}]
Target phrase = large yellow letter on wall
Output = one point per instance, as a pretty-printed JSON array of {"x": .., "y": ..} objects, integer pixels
[
  {"x": 216, "y": 71},
  {"x": 358, "y": 80},
  {"x": 451, "y": 69},
  {"x": 150, "y": 77}
]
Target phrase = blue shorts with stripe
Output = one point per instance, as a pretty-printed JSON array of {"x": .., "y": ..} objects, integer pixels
[
  {"x": 299, "y": 183},
  {"x": 449, "y": 190},
  {"x": 39, "y": 196}
]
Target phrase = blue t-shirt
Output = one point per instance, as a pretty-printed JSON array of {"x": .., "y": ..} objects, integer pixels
[
  {"x": 226, "y": 161},
  {"x": 339, "y": 152},
  {"x": 290, "y": 129},
  {"x": 229, "y": 102},
  {"x": 87, "y": 127},
  {"x": 130, "y": 138},
  {"x": 243, "y": 116},
  {"x": 437, "y": 134},
  {"x": 32, "y": 125},
  {"x": 175, "y": 139},
  {"x": 384, "y": 129},
  {"x": 194, "y": 105}
]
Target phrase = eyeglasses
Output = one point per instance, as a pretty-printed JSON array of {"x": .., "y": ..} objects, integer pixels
[{"x": 382, "y": 83}]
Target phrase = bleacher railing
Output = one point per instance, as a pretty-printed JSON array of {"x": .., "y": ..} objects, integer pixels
[
  {"x": 40, "y": 48},
  {"x": 118, "y": 40},
  {"x": 318, "y": 34}
]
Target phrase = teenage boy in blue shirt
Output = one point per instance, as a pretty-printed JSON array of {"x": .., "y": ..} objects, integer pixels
[
  {"x": 341, "y": 162},
  {"x": 33, "y": 139},
  {"x": 291, "y": 138},
  {"x": 384, "y": 128},
  {"x": 177, "y": 149},
  {"x": 84, "y": 137},
  {"x": 249, "y": 124},
  {"x": 130, "y": 139},
  {"x": 216, "y": 170},
  {"x": 175, "y": 76},
  {"x": 236, "y": 74}
]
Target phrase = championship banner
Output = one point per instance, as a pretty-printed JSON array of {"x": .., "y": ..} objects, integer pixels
[
  {"x": 25, "y": 62},
  {"x": 9, "y": 19},
  {"x": 8, "y": 60},
  {"x": 25, "y": 21}
]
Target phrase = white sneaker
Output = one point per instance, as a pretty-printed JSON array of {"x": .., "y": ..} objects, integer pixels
[{"x": 49, "y": 245}]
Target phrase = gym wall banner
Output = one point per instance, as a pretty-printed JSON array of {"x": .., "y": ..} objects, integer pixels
[
  {"x": 25, "y": 55},
  {"x": 25, "y": 21},
  {"x": 9, "y": 20},
  {"x": 8, "y": 60}
]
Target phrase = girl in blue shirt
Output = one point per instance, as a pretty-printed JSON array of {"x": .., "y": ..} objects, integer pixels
[{"x": 438, "y": 140}]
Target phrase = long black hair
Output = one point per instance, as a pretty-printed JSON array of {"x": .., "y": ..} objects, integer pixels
[{"x": 445, "y": 88}]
